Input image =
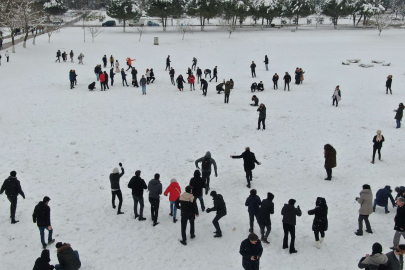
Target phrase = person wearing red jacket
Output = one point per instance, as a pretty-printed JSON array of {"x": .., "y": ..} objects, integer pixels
[
  {"x": 102, "y": 80},
  {"x": 191, "y": 81},
  {"x": 175, "y": 191}
]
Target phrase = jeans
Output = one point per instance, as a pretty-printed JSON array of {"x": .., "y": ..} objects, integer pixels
[
  {"x": 59, "y": 267},
  {"x": 252, "y": 219},
  {"x": 72, "y": 83},
  {"x": 375, "y": 204},
  {"x": 379, "y": 153},
  {"x": 288, "y": 228},
  {"x": 397, "y": 237},
  {"x": 42, "y": 234},
  {"x": 267, "y": 67},
  {"x": 398, "y": 123},
  {"x": 261, "y": 120},
  {"x": 173, "y": 208},
  {"x": 201, "y": 202},
  {"x": 316, "y": 233},
  {"x": 143, "y": 89},
  {"x": 365, "y": 218},
  {"x": 249, "y": 176},
  {"x": 154, "y": 208},
  {"x": 141, "y": 205},
  {"x": 98, "y": 76},
  {"x": 198, "y": 78},
  {"x": 184, "y": 227},
  {"x": 216, "y": 224},
  {"x": 117, "y": 193},
  {"x": 13, "y": 206}
]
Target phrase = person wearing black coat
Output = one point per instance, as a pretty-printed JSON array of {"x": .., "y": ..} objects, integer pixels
[
  {"x": 255, "y": 100},
  {"x": 42, "y": 216},
  {"x": 320, "y": 224},
  {"x": 266, "y": 209},
  {"x": 194, "y": 63},
  {"x": 137, "y": 184},
  {"x": 106, "y": 80},
  {"x": 189, "y": 72},
  {"x": 260, "y": 86},
  {"x": 104, "y": 61},
  {"x": 253, "y": 203},
  {"x": 287, "y": 80},
  {"x": 199, "y": 73},
  {"x": 112, "y": 74},
  {"x": 42, "y": 263},
  {"x": 289, "y": 213},
  {"x": 92, "y": 86},
  {"x": 399, "y": 222},
  {"x": 251, "y": 250},
  {"x": 198, "y": 184},
  {"x": 378, "y": 141},
  {"x": 168, "y": 62},
  {"x": 275, "y": 81},
  {"x": 115, "y": 177},
  {"x": 180, "y": 82},
  {"x": 253, "y": 87},
  {"x": 262, "y": 116},
  {"x": 399, "y": 114},
  {"x": 381, "y": 198},
  {"x": 266, "y": 62},
  {"x": 249, "y": 160},
  {"x": 68, "y": 258},
  {"x": 134, "y": 73},
  {"x": 97, "y": 71},
  {"x": 204, "y": 86},
  {"x": 12, "y": 187},
  {"x": 388, "y": 84},
  {"x": 171, "y": 73},
  {"x": 58, "y": 54},
  {"x": 152, "y": 76},
  {"x": 297, "y": 76},
  {"x": 253, "y": 69},
  {"x": 220, "y": 208},
  {"x": 189, "y": 210},
  {"x": 220, "y": 88},
  {"x": 215, "y": 75},
  {"x": 207, "y": 72}
]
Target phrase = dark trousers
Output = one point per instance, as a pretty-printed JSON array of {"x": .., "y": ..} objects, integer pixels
[
  {"x": 154, "y": 208},
  {"x": 268, "y": 229},
  {"x": 124, "y": 80},
  {"x": 167, "y": 66},
  {"x": 112, "y": 64},
  {"x": 138, "y": 199},
  {"x": 206, "y": 178},
  {"x": 135, "y": 82},
  {"x": 389, "y": 87},
  {"x": 172, "y": 80},
  {"x": 253, "y": 73},
  {"x": 106, "y": 85},
  {"x": 379, "y": 153},
  {"x": 333, "y": 103},
  {"x": 193, "y": 66},
  {"x": 289, "y": 229},
  {"x": 152, "y": 79},
  {"x": 252, "y": 219},
  {"x": 204, "y": 91},
  {"x": 249, "y": 176},
  {"x": 129, "y": 67},
  {"x": 207, "y": 74},
  {"x": 201, "y": 199},
  {"x": 55, "y": 60},
  {"x": 316, "y": 233},
  {"x": 275, "y": 85},
  {"x": 216, "y": 224},
  {"x": 329, "y": 173},
  {"x": 13, "y": 206},
  {"x": 215, "y": 77},
  {"x": 263, "y": 121},
  {"x": 365, "y": 218},
  {"x": 226, "y": 98},
  {"x": 192, "y": 86},
  {"x": 8, "y": 57},
  {"x": 105, "y": 64},
  {"x": 287, "y": 84},
  {"x": 184, "y": 227},
  {"x": 112, "y": 81},
  {"x": 72, "y": 83},
  {"x": 117, "y": 193},
  {"x": 198, "y": 78}
]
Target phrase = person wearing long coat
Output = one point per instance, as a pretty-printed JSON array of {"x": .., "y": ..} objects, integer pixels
[
  {"x": 330, "y": 160},
  {"x": 399, "y": 114},
  {"x": 117, "y": 67},
  {"x": 180, "y": 82},
  {"x": 388, "y": 84},
  {"x": 297, "y": 76},
  {"x": 378, "y": 141},
  {"x": 320, "y": 223},
  {"x": 302, "y": 75},
  {"x": 337, "y": 96},
  {"x": 366, "y": 208}
]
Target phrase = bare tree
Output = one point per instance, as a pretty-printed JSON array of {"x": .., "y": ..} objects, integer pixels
[
  {"x": 184, "y": 28},
  {"x": 382, "y": 20},
  {"x": 229, "y": 26},
  {"x": 50, "y": 29},
  {"x": 30, "y": 17},
  {"x": 141, "y": 29},
  {"x": 9, "y": 18},
  {"x": 94, "y": 31}
]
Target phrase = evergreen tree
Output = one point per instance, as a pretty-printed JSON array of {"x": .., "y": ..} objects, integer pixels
[
  {"x": 204, "y": 9},
  {"x": 336, "y": 9},
  {"x": 165, "y": 9},
  {"x": 123, "y": 10},
  {"x": 55, "y": 7},
  {"x": 297, "y": 8}
]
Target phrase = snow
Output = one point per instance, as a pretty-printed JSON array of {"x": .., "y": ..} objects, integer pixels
[{"x": 64, "y": 144}]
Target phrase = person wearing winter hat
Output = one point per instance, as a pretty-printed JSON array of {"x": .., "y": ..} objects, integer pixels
[
  {"x": 137, "y": 184},
  {"x": 289, "y": 213},
  {"x": 320, "y": 224},
  {"x": 399, "y": 222},
  {"x": 155, "y": 190},
  {"x": 395, "y": 258},
  {"x": 251, "y": 250},
  {"x": 174, "y": 190},
  {"x": 42, "y": 216},
  {"x": 115, "y": 187},
  {"x": 189, "y": 210},
  {"x": 12, "y": 187},
  {"x": 220, "y": 208},
  {"x": 366, "y": 208},
  {"x": 253, "y": 203},
  {"x": 206, "y": 163},
  {"x": 266, "y": 209},
  {"x": 68, "y": 258},
  {"x": 375, "y": 259},
  {"x": 378, "y": 141},
  {"x": 42, "y": 263}
]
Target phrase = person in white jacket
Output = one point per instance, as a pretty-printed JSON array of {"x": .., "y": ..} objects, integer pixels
[
  {"x": 117, "y": 67},
  {"x": 7, "y": 55},
  {"x": 147, "y": 76}
]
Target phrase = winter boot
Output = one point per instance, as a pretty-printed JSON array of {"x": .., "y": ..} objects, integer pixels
[
  {"x": 192, "y": 236},
  {"x": 171, "y": 213},
  {"x": 370, "y": 231},
  {"x": 358, "y": 233},
  {"x": 136, "y": 216},
  {"x": 52, "y": 241},
  {"x": 264, "y": 240},
  {"x": 120, "y": 213},
  {"x": 13, "y": 221},
  {"x": 183, "y": 242},
  {"x": 155, "y": 223},
  {"x": 141, "y": 218},
  {"x": 318, "y": 244},
  {"x": 174, "y": 220},
  {"x": 294, "y": 250},
  {"x": 218, "y": 235}
]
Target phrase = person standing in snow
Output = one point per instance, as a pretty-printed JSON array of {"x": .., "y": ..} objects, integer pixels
[
  {"x": 398, "y": 115},
  {"x": 124, "y": 77},
  {"x": 378, "y": 141},
  {"x": 180, "y": 82},
  {"x": 376, "y": 258},
  {"x": 287, "y": 80},
  {"x": 337, "y": 96},
  {"x": 232, "y": 83},
  {"x": 112, "y": 74},
  {"x": 253, "y": 203},
  {"x": 12, "y": 187},
  {"x": 251, "y": 250},
  {"x": 115, "y": 177},
  {"x": 71, "y": 79},
  {"x": 64, "y": 56},
  {"x": 97, "y": 71},
  {"x": 249, "y": 160},
  {"x": 255, "y": 100},
  {"x": 105, "y": 80},
  {"x": 152, "y": 76},
  {"x": 42, "y": 263},
  {"x": 175, "y": 191},
  {"x": 134, "y": 73},
  {"x": 399, "y": 222},
  {"x": 42, "y": 216},
  {"x": 396, "y": 258},
  {"x": 290, "y": 213},
  {"x": 81, "y": 56},
  {"x": 189, "y": 210},
  {"x": 220, "y": 208},
  {"x": 330, "y": 160},
  {"x": 194, "y": 63},
  {"x": 204, "y": 87},
  {"x": 102, "y": 80},
  {"x": 302, "y": 75},
  {"x": 320, "y": 224},
  {"x": 206, "y": 163},
  {"x": 199, "y": 73},
  {"x": 147, "y": 74},
  {"x": 253, "y": 69},
  {"x": 71, "y": 54},
  {"x": 168, "y": 62},
  {"x": 112, "y": 61},
  {"x": 262, "y": 116},
  {"x": 215, "y": 74},
  {"x": 104, "y": 59},
  {"x": 275, "y": 81},
  {"x": 68, "y": 258},
  {"x": 58, "y": 55},
  {"x": 155, "y": 190},
  {"x": 191, "y": 81},
  {"x": 366, "y": 209},
  {"x": 197, "y": 184},
  {"x": 297, "y": 76},
  {"x": 207, "y": 72},
  {"x": 143, "y": 82},
  {"x": 381, "y": 198},
  {"x": 266, "y": 62},
  {"x": 171, "y": 74},
  {"x": 137, "y": 184},
  {"x": 117, "y": 67},
  {"x": 263, "y": 217},
  {"x": 388, "y": 84},
  {"x": 129, "y": 63},
  {"x": 7, "y": 55},
  {"x": 227, "y": 91}
]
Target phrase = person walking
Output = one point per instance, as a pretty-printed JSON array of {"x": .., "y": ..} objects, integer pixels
[
  {"x": 42, "y": 216},
  {"x": 337, "y": 96},
  {"x": 220, "y": 208},
  {"x": 290, "y": 213},
  {"x": 399, "y": 222},
  {"x": 42, "y": 263},
  {"x": 287, "y": 80},
  {"x": 124, "y": 77},
  {"x": 155, "y": 190},
  {"x": 71, "y": 54},
  {"x": 143, "y": 83},
  {"x": 249, "y": 160},
  {"x": 215, "y": 75},
  {"x": 115, "y": 177},
  {"x": 129, "y": 63},
  {"x": 112, "y": 74},
  {"x": 396, "y": 258},
  {"x": 171, "y": 74},
  {"x": 366, "y": 209},
  {"x": 320, "y": 223},
  {"x": 180, "y": 82},
  {"x": 58, "y": 55},
  {"x": 263, "y": 217},
  {"x": 253, "y": 69},
  {"x": 227, "y": 91},
  {"x": 194, "y": 63},
  {"x": 175, "y": 191},
  {"x": 204, "y": 87},
  {"x": 197, "y": 184},
  {"x": 378, "y": 141},
  {"x": 189, "y": 210},
  {"x": 376, "y": 258},
  {"x": 206, "y": 163},
  {"x": 137, "y": 184},
  {"x": 152, "y": 76},
  {"x": 266, "y": 62},
  {"x": 255, "y": 100},
  {"x": 72, "y": 79},
  {"x": 189, "y": 72},
  {"x": 168, "y": 63},
  {"x": 251, "y": 250},
  {"x": 262, "y": 116},
  {"x": 275, "y": 81},
  {"x": 191, "y": 81},
  {"x": 330, "y": 160},
  {"x": 68, "y": 258},
  {"x": 253, "y": 203},
  {"x": 199, "y": 73},
  {"x": 207, "y": 72},
  {"x": 388, "y": 84},
  {"x": 12, "y": 187},
  {"x": 117, "y": 67},
  {"x": 112, "y": 61},
  {"x": 64, "y": 56},
  {"x": 399, "y": 114}
]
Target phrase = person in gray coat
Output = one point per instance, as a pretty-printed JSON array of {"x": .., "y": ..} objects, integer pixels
[
  {"x": 206, "y": 162},
  {"x": 155, "y": 190},
  {"x": 262, "y": 116},
  {"x": 366, "y": 209},
  {"x": 395, "y": 258},
  {"x": 376, "y": 258},
  {"x": 290, "y": 213}
]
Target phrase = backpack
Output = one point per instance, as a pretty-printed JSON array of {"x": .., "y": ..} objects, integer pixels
[{"x": 206, "y": 164}]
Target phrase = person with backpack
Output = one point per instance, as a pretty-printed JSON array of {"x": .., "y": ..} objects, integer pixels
[
  {"x": 206, "y": 163},
  {"x": 189, "y": 210},
  {"x": 171, "y": 74},
  {"x": 263, "y": 217},
  {"x": 68, "y": 258},
  {"x": 175, "y": 191},
  {"x": 42, "y": 216},
  {"x": 191, "y": 81},
  {"x": 253, "y": 203},
  {"x": 330, "y": 160},
  {"x": 320, "y": 224},
  {"x": 137, "y": 184},
  {"x": 251, "y": 250},
  {"x": 194, "y": 63},
  {"x": 12, "y": 187},
  {"x": 275, "y": 81},
  {"x": 220, "y": 208},
  {"x": 197, "y": 184},
  {"x": 42, "y": 263},
  {"x": 155, "y": 190},
  {"x": 115, "y": 177},
  {"x": 290, "y": 213},
  {"x": 249, "y": 160},
  {"x": 204, "y": 87}
]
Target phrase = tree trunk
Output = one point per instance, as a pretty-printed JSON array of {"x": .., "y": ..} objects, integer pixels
[
  {"x": 354, "y": 20},
  {"x": 124, "y": 25},
  {"x": 140, "y": 35},
  {"x": 364, "y": 21},
  {"x": 183, "y": 34},
  {"x": 33, "y": 39},
  {"x": 201, "y": 23},
  {"x": 12, "y": 41},
  {"x": 25, "y": 38},
  {"x": 335, "y": 22},
  {"x": 262, "y": 20},
  {"x": 296, "y": 27}
]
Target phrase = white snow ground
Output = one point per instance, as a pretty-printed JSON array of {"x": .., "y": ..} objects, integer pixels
[{"x": 64, "y": 144}]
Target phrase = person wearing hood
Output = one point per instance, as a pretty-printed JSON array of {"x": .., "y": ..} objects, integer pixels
[
  {"x": 68, "y": 258},
  {"x": 399, "y": 222},
  {"x": 115, "y": 177},
  {"x": 155, "y": 190},
  {"x": 399, "y": 114},
  {"x": 255, "y": 100},
  {"x": 249, "y": 160},
  {"x": 320, "y": 224},
  {"x": 388, "y": 84},
  {"x": 378, "y": 141},
  {"x": 180, "y": 82},
  {"x": 262, "y": 116},
  {"x": 337, "y": 96},
  {"x": 253, "y": 87},
  {"x": 137, "y": 184},
  {"x": 366, "y": 208},
  {"x": 263, "y": 217},
  {"x": 253, "y": 203},
  {"x": 12, "y": 187},
  {"x": 197, "y": 184},
  {"x": 175, "y": 191},
  {"x": 42, "y": 216},
  {"x": 42, "y": 263},
  {"x": 186, "y": 202},
  {"x": 251, "y": 250},
  {"x": 330, "y": 160},
  {"x": 381, "y": 198},
  {"x": 220, "y": 208},
  {"x": 376, "y": 258},
  {"x": 400, "y": 192},
  {"x": 206, "y": 163},
  {"x": 290, "y": 213},
  {"x": 395, "y": 258}
]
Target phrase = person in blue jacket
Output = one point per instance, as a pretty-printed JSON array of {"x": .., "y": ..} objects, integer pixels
[
  {"x": 381, "y": 198},
  {"x": 72, "y": 78}
]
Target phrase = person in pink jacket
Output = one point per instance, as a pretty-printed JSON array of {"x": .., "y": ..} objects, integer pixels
[{"x": 175, "y": 191}]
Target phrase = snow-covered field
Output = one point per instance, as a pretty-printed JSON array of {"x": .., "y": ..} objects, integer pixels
[{"x": 64, "y": 144}]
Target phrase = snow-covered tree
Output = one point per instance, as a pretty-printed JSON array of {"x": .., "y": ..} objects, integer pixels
[
  {"x": 297, "y": 8},
  {"x": 336, "y": 9},
  {"x": 398, "y": 8},
  {"x": 9, "y": 18},
  {"x": 55, "y": 7},
  {"x": 52, "y": 29},
  {"x": 242, "y": 11},
  {"x": 30, "y": 17},
  {"x": 184, "y": 28},
  {"x": 229, "y": 26},
  {"x": 204, "y": 9},
  {"x": 94, "y": 31},
  {"x": 123, "y": 10},
  {"x": 165, "y": 9},
  {"x": 140, "y": 30}
]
